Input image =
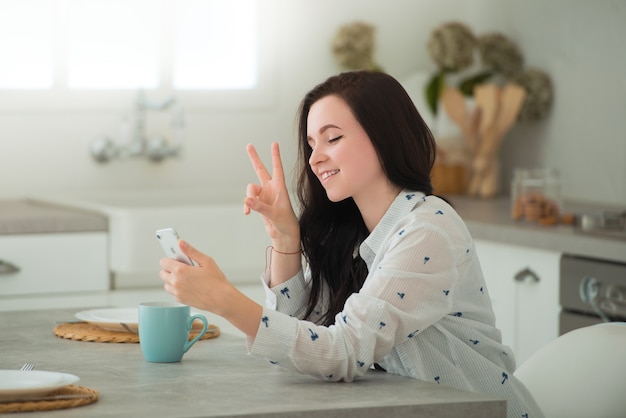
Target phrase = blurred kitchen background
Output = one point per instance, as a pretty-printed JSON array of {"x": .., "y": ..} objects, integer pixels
[
  {"x": 47, "y": 133},
  {"x": 133, "y": 115}
]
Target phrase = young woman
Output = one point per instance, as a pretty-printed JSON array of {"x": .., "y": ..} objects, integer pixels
[{"x": 391, "y": 278}]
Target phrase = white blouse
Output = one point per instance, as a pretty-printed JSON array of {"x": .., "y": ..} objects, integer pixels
[{"x": 424, "y": 312}]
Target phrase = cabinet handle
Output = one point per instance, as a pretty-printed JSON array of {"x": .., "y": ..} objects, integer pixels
[
  {"x": 8, "y": 268},
  {"x": 521, "y": 275}
]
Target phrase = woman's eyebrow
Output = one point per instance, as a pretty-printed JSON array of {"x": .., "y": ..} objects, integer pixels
[
  {"x": 324, "y": 129},
  {"x": 327, "y": 127}
]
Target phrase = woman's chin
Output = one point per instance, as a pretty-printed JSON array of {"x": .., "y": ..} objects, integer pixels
[{"x": 335, "y": 197}]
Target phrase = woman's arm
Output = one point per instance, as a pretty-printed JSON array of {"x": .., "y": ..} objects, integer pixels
[
  {"x": 271, "y": 200},
  {"x": 205, "y": 287}
]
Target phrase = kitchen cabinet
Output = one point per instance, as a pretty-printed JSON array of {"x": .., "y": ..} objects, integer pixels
[
  {"x": 55, "y": 263},
  {"x": 523, "y": 283}
]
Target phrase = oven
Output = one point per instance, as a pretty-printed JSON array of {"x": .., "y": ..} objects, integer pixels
[{"x": 591, "y": 291}]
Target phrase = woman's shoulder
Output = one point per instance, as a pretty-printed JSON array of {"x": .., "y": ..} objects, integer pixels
[
  {"x": 434, "y": 212},
  {"x": 414, "y": 213},
  {"x": 434, "y": 206}
]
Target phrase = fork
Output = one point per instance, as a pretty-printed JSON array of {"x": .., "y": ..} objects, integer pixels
[{"x": 27, "y": 367}]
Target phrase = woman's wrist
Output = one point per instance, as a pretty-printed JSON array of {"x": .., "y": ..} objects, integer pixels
[
  {"x": 298, "y": 252},
  {"x": 287, "y": 247},
  {"x": 242, "y": 312}
]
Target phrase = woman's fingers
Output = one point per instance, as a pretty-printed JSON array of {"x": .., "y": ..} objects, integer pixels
[
  {"x": 270, "y": 199},
  {"x": 258, "y": 165},
  {"x": 277, "y": 164},
  {"x": 253, "y": 192},
  {"x": 262, "y": 173}
]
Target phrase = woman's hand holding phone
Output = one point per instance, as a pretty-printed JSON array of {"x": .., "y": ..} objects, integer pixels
[{"x": 168, "y": 237}]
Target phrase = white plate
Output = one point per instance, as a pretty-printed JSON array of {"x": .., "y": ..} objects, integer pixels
[
  {"x": 112, "y": 319},
  {"x": 17, "y": 384}
]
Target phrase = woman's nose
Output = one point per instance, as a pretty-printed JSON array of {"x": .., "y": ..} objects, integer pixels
[{"x": 316, "y": 156}]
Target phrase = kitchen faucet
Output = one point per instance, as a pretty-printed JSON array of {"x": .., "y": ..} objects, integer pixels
[{"x": 155, "y": 148}]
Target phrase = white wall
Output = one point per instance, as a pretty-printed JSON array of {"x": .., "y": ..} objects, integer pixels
[{"x": 579, "y": 43}]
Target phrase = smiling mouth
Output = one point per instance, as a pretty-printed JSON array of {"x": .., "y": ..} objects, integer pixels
[{"x": 327, "y": 174}]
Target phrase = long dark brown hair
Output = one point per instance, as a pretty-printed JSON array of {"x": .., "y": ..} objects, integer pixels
[{"x": 332, "y": 231}]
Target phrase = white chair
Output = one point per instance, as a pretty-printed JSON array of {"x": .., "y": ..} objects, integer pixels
[{"x": 580, "y": 374}]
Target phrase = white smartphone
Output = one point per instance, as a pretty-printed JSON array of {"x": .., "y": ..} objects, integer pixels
[{"x": 168, "y": 237}]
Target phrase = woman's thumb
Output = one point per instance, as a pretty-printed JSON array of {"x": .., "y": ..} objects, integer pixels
[{"x": 190, "y": 251}]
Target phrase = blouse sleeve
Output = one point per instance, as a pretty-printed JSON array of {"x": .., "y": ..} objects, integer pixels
[
  {"x": 409, "y": 289},
  {"x": 289, "y": 297}
]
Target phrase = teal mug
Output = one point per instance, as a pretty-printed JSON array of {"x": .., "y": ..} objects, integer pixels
[{"x": 164, "y": 331}]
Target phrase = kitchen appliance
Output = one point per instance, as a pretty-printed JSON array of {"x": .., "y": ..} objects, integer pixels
[
  {"x": 591, "y": 291},
  {"x": 611, "y": 224}
]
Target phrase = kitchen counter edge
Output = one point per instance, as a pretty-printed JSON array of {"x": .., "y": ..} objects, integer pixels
[
  {"x": 27, "y": 217},
  {"x": 490, "y": 220}
]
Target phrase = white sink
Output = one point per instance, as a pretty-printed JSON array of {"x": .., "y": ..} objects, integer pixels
[{"x": 215, "y": 224}]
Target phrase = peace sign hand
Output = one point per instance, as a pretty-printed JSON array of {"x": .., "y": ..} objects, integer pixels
[{"x": 271, "y": 200}]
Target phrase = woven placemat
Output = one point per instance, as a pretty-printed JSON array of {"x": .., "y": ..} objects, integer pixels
[
  {"x": 87, "y": 396},
  {"x": 84, "y": 331}
]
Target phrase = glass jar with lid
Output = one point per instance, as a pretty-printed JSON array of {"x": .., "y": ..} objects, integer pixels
[{"x": 536, "y": 196}]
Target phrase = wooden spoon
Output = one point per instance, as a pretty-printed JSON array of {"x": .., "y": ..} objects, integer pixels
[
  {"x": 454, "y": 104},
  {"x": 511, "y": 100},
  {"x": 486, "y": 96}
]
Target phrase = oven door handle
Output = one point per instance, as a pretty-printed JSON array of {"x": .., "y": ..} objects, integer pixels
[{"x": 589, "y": 293}]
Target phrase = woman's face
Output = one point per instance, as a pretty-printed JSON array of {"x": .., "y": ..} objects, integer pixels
[{"x": 343, "y": 157}]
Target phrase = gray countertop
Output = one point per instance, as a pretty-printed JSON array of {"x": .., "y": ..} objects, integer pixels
[
  {"x": 25, "y": 217},
  {"x": 216, "y": 379},
  {"x": 490, "y": 219},
  {"x": 487, "y": 219}
]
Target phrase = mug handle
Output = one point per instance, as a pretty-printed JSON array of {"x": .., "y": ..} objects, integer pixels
[{"x": 205, "y": 326}]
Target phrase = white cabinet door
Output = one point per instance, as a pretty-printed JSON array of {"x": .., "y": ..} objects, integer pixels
[
  {"x": 498, "y": 273},
  {"x": 523, "y": 284},
  {"x": 53, "y": 263}
]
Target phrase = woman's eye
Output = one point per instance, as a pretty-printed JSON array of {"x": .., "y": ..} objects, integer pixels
[{"x": 337, "y": 138}]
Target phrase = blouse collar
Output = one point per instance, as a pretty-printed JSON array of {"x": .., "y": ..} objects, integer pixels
[{"x": 404, "y": 203}]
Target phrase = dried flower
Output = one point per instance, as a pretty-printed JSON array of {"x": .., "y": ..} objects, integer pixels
[
  {"x": 538, "y": 94},
  {"x": 500, "y": 54},
  {"x": 451, "y": 46},
  {"x": 353, "y": 46}
]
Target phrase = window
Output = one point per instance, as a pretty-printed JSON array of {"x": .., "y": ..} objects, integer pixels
[
  {"x": 213, "y": 52},
  {"x": 114, "y": 44},
  {"x": 74, "y": 52},
  {"x": 26, "y": 46}
]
